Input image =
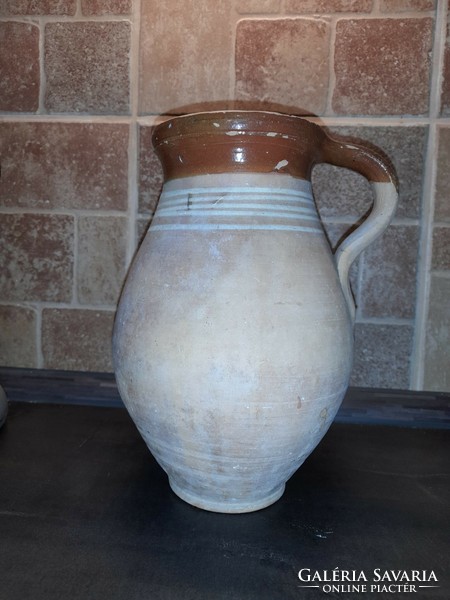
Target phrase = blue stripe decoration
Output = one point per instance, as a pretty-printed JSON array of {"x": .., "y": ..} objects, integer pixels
[
  {"x": 230, "y": 227},
  {"x": 275, "y": 214},
  {"x": 239, "y": 190},
  {"x": 192, "y": 203},
  {"x": 203, "y": 209}
]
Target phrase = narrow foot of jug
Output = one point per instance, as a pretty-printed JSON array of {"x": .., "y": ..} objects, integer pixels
[{"x": 229, "y": 504}]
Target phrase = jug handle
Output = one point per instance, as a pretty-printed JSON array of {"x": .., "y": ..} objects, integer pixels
[{"x": 376, "y": 167}]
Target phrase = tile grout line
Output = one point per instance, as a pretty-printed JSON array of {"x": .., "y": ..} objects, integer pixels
[
  {"x": 401, "y": 321},
  {"x": 360, "y": 282},
  {"x": 74, "y": 300},
  {"x": 423, "y": 286},
  {"x": 42, "y": 78},
  {"x": 44, "y": 304},
  {"x": 38, "y": 333},
  {"x": 331, "y": 120},
  {"x": 424, "y": 263},
  {"x": 331, "y": 69},
  {"x": 62, "y": 118},
  {"x": 76, "y": 247},
  {"x": 133, "y": 141},
  {"x": 69, "y": 212},
  {"x": 235, "y": 19}
]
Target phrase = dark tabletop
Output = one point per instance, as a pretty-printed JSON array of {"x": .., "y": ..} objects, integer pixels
[{"x": 86, "y": 513}]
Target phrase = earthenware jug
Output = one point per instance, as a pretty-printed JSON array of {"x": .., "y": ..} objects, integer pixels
[{"x": 233, "y": 338}]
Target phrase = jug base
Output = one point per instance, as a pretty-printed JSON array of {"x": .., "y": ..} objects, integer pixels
[{"x": 231, "y": 505}]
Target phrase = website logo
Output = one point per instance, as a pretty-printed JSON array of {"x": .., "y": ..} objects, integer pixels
[{"x": 378, "y": 581}]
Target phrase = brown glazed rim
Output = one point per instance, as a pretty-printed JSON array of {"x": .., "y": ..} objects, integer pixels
[
  {"x": 206, "y": 142},
  {"x": 250, "y": 121}
]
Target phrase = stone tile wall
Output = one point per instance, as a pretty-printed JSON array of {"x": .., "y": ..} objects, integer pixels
[{"x": 82, "y": 83}]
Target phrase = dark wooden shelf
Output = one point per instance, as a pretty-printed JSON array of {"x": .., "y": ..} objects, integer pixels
[
  {"x": 87, "y": 513},
  {"x": 360, "y": 405}
]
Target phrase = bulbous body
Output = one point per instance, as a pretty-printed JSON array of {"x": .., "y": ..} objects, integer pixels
[{"x": 233, "y": 336}]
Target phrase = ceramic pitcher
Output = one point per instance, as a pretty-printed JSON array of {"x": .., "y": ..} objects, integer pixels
[{"x": 233, "y": 338}]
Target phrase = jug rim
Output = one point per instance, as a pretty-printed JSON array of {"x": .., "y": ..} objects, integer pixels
[
  {"x": 236, "y": 123},
  {"x": 259, "y": 141},
  {"x": 237, "y": 140},
  {"x": 229, "y": 114}
]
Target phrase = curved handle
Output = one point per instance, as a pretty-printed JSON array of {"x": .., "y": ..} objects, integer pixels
[{"x": 380, "y": 172}]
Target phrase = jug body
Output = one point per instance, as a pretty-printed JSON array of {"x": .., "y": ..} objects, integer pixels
[{"x": 233, "y": 337}]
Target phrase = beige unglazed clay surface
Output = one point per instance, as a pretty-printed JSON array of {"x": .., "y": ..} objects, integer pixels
[{"x": 233, "y": 340}]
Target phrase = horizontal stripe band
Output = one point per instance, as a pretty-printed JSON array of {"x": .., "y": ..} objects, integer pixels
[
  {"x": 233, "y": 213},
  {"x": 265, "y": 204},
  {"x": 196, "y": 205},
  {"x": 215, "y": 199},
  {"x": 238, "y": 190},
  {"x": 231, "y": 227}
]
